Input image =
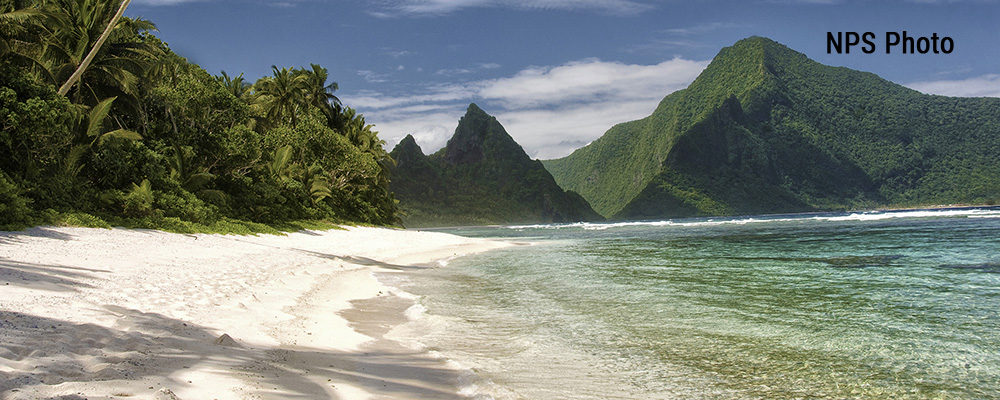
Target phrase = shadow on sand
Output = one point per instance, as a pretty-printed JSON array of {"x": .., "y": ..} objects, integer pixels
[
  {"x": 360, "y": 260},
  {"x": 36, "y": 232},
  {"x": 38, "y": 350},
  {"x": 55, "y": 278}
]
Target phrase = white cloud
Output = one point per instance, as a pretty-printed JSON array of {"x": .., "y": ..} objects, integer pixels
[
  {"x": 702, "y": 28},
  {"x": 397, "y": 53},
  {"x": 431, "y": 130},
  {"x": 423, "y": 8},
  {"x": 550, "y": 111},
  {"x": 373, "y": 77},
  {"x": 467, "y": 71},
  {"x": 980, "y": 86},
  {"x": 453, "y": 71},
  {"x": 429, "y": 94},
  {"x": 591, "y": 81},
  {"x": 547, "y": 134}
]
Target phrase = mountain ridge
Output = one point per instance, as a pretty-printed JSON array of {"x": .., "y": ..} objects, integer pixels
[
  {"x": 765, "y": 129},
  {"x": 482, "y": 176}
]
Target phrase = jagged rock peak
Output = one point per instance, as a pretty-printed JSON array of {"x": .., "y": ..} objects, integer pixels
[
  {"x": 407, "y": 152},
  {"x": 476, "y": 134},
  {"x": 409, "y": 144}
]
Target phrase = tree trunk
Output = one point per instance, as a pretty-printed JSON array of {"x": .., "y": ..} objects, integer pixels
[{"x": 93, "y": 52}]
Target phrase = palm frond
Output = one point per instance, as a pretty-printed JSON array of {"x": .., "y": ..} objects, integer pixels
[
  {"x": 282, "y": 158},
  {"x": 120, "y": 134},
  {"x": 95, "y": 119},
  {"x": 197, "y": 180},
  {"x": 72, "y": 165}
]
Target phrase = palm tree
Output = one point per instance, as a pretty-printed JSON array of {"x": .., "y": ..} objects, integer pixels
[
  {"x": 316, "y": 91},
  {"x": 14, "y": 20},
  {"x": 235, "y": 85},
  {"x": 19, "y": 34},
  {"x": 361, "y": 135},
  {"x": 93, "y": 50},
  {"x": 279, "y": 97},
  {"x": 87, "y": 69}
]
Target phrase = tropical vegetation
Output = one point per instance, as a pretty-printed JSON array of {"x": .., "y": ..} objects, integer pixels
[{"x": 103, "y": 124}]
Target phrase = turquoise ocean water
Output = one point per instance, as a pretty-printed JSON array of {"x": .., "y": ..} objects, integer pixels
[{"x": 895, "y": 305}]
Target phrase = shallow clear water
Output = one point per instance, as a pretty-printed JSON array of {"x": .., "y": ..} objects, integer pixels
[{"x": 876, "y": 305}]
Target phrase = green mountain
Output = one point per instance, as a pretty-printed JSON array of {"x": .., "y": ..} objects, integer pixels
[
  {"x": 764, "y": 129},
  {"x": 481, "y": 177}
]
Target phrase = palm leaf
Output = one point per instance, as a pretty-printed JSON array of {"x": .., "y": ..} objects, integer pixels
[
  {"x": 119, "y": 133},
  {"x": 279, "y": 165},
  {"x": 96, "y": 116},
  {"x": 73, "y": 165},
  {"x": 20, "y": 16},
  {"x": 198, "y": 180}
]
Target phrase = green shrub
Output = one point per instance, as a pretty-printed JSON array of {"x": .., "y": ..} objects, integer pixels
[
  {"x": 14, "y": 209},
  {"x": 139, "y": 201},
  {"x": 81, "y": 219}
]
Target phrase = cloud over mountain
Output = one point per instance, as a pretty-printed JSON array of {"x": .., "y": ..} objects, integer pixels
[
  {"x": 549, "y": 110},
  {"x": 979, "y": 86}
]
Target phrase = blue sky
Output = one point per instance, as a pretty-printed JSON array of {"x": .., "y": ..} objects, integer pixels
[{"x": 556, "y": 73}]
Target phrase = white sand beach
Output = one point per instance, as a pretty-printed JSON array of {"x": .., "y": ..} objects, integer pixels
[{"x": 121, "y": 314}]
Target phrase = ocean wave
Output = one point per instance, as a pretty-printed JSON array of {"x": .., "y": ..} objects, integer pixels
[
  {"x": 854, "y": 216},
  {"x": 415, "y": 312},
  {"x": 880, "y": 215}
]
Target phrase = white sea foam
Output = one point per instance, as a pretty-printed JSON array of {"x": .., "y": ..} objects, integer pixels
[
  {"x": 881, "y": 215},
  {"x": 415, "y": 311},
  {"x": 395, "y": 291},
  {"x": 444, "y": 261},
  {"x": 855, "y": 216}
]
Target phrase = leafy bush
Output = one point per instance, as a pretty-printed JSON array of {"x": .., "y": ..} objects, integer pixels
[
  {"x": 138, "y": 202},
  {"x": 81, "y": 219},
  {"x": 14, "y": 209}
]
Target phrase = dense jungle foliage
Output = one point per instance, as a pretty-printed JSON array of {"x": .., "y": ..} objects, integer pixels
[
  {"x": 765, "y": 129},
  {"x": 481, "y": 177},
  {"x": 146, "y": 139}
]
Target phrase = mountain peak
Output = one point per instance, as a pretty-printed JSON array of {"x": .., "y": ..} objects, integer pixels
[
  {"x": 759, "y": 46},
  {"x": 477, "y": 134},
  {"x": 474, "y": 109},
  {"x": 407, "y": 152},
  {"x": 409, "y": 146},
  {"x": 766, "y": 129},
  {"x": 409, "y": 142},
  {"x": 758, "y": 41},
  {"x": 481, "y": 177}
]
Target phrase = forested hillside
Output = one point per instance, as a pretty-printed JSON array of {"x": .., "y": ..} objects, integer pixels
[
  {"x": 481, "y": 177},
  {"x": 765, "y": 129},
  {"x": 145, "y": 138}
]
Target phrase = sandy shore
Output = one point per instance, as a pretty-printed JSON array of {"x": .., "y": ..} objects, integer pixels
[{"x": 113, "y": 314}]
